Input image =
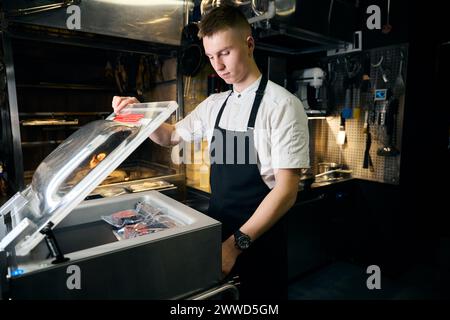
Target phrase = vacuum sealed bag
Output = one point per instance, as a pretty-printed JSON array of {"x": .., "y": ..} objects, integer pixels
[{"x": 142, "y": 220}]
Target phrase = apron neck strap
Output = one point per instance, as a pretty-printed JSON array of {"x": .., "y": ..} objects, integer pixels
[{"x": 258, "y": 98}]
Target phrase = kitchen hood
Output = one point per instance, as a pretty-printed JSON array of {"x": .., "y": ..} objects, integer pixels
[
  {"x": 297, "y": 26},
  {"x": 157, "y": 21}
]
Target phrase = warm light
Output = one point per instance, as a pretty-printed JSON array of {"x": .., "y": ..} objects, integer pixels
[
  {"x": 145, "y": 2},
  {"x": 154, "y": 21}
]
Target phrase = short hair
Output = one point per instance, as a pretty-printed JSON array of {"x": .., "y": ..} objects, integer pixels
[{"x": 221, "y": 18}]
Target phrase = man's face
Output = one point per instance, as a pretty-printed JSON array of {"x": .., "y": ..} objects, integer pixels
[{"x": 230, "y": 52}]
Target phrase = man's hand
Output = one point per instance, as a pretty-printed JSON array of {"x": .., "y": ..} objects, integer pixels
[
  {"x": 229, "y": 255},
  {"x": 118, "y": 103}
]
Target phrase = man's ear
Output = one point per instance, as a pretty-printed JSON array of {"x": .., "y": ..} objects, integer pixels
[{"x": 250, "y": 44}]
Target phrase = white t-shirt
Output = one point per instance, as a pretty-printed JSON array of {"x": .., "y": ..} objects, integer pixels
[{"x": 281, "y": 134}]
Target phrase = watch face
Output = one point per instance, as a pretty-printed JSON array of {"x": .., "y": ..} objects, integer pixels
[{"x": 243, "y": 242}]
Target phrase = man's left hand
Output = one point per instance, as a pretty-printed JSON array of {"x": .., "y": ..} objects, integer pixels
[{"x": 229, "y": 255}]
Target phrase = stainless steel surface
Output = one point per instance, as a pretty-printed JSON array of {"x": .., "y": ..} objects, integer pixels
[
  {"x": 14, "y": 124},
  {"x": 31, "y": 10},
  {"x": 80, "y": 164},
  {"x": 289, "y": 28},
  {"x": 169, "y": 264},
  {"x": 312, "y": 41},
  {"x": 282, "y": 7},
  {"x": 224, "y": 288},
  {"x": 327, "y": 166},
  {"x": 159, "y": 21},
  {"x": 50, "y": 122}
]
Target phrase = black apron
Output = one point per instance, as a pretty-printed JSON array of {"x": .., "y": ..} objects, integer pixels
[{"x": 237, "y": 189}]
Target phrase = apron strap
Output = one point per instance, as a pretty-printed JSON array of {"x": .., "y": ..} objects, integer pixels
[
  {"x": 258, "y": 98},
  {"x": 216, "y": 125}
]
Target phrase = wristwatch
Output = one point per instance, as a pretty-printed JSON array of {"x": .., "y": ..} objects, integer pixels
[{"x": 241, "y": 240}]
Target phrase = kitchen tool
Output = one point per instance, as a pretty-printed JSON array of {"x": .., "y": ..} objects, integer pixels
[
  {"x": 65, "y": 177},
  {"x": 120, "y": 75},
  {"x": 333, "y": 171},
  {"x": 192, "y": 53},
  {"x": 387, "y": 27},
  {"x": 347, "y": 112},
  {"x": 389, "y": 149},
  {"x": 330, "y": 86},
  {"x": 357, "y": 104},
  {"x": 382, "y": 112},
  {"x": 323, "y": 167},
  {"x": 379, "y": 65},
  {"x": 367, "y": 163},
  {"x": 140, "y": 77},
  {"x": 399, "y": 86},
  {"x": 309, "y": 89},
  {"x": 340, "y": 139},
  {"x": 384, "y": 73},
  {"x": 148, "y": 185}
]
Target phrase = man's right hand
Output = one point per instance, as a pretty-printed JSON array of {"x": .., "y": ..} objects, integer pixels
[
  {"x": 118, "y": 103},
  {"x": 162, "y": 136}
]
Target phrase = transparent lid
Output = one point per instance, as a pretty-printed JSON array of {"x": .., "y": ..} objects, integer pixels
[{"x": 76, "y": 167}]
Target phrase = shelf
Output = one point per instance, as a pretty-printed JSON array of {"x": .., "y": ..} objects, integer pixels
[
  {"x": 66, "y": 86},
  {"x": 289, "y": 40},
  {"x": 41, "y": 143},
  {"x": 60, "y": 114},
  {"x": 75, "y": 86},
  {"x": 49, "y": 122}
]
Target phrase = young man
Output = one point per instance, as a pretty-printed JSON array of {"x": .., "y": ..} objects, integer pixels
[{"x": 251, "y": 187}]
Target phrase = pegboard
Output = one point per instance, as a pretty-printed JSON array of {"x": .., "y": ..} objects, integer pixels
[{"x": 324, "y": 147}]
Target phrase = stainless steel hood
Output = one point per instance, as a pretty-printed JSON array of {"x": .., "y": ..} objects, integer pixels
[
  {"x": 297, "y": 26},
  {"x": 157, "y": 21}
]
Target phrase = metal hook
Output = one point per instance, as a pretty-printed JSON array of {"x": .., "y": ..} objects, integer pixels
[{"x": 378, "y": 64}]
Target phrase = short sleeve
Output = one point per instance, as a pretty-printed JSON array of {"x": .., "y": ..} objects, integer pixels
[
  {"x": 193, "y": 126},
  {"x": 289, "y": 135}
]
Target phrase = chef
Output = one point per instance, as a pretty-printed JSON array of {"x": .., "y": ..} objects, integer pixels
[{"x": 258, "y": 141}]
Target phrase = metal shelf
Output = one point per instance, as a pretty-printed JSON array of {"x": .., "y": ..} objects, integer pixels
[
  {"x": 40, "y": 143},
  {"x": 60, "y": 114},
  {"x": 66, "y": 86}
]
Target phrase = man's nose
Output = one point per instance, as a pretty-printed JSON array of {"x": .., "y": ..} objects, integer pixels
[{"x": 218, "y": 64}]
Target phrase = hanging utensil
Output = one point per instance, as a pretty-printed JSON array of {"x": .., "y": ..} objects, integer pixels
[
  {"x": 367, "y": 163},
  {"x": 387, "y": 27},
  {"x": 389, "y": 149},
  {"x": 340, "y": 139},
  {"x": 357, "y": 104},
  {"x": 192, "y": 56},
  {"x": 140, "y": 77},
  {"x": 399, "y": 86},
  {"x": 347, "y": 111},
  {"x": 379, "y": 65}
]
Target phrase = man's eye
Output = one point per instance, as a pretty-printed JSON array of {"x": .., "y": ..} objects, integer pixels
[
  {"x": 210, "y": 58},
  {"x": 225, "y": 53}
]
